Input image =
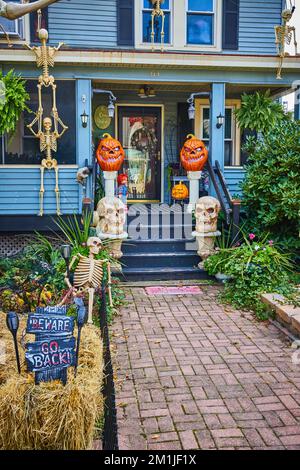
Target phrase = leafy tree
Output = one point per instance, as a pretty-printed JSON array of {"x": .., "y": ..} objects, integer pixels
[{"x": 272, "y": 184}]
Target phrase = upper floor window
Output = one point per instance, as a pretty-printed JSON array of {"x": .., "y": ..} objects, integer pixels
[
  {"x": 189, "y": 25},
  {"x": 200, "y": 22},
  {"x": 14, "y": 28},
  {"x": 147, "y": 22}
]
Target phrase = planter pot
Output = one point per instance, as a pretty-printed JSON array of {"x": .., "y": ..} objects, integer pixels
[{"x": 222, "y": 277}]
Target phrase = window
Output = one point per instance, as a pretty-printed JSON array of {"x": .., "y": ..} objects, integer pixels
[
  {"x": 194, "y": 25},
  {"x": 200, "y": 22},
  {"x": 147, "y": 22},
  {"x": 23, "y": 148},
  {"x": 232, "y": 153},
  {"x": 12, "y": 27}
]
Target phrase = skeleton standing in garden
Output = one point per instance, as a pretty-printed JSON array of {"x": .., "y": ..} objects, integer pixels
[
  {"x": 284, "y": 34},
  {"x": 88, "y": 274}
]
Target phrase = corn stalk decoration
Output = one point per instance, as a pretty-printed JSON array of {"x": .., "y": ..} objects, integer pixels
[{"x": 13, "y": 11}]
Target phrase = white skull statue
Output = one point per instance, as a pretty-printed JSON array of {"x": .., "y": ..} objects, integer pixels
[
  {"x": 207, "y": 211},
  {"x": 110, "y": 216},
  {"x": 94, "y": 245}
]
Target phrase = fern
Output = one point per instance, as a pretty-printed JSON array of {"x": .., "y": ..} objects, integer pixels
[{"x": 15, "y": 100}]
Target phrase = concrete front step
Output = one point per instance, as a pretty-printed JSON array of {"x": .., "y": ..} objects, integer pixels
[
  {"x": 161, "y": 260},
  {"x": 159, "y": 246},
  {"x": 286, "y": 314},
  {"x": 161, "y": 274}
]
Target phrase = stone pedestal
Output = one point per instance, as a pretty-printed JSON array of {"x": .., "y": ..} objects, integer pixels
[
  {"x": 109, "y": 179},
  {"x": 114, "y": 246},
  {"x": 206, "y": 244},
  {"x": 194, "y": 178}
]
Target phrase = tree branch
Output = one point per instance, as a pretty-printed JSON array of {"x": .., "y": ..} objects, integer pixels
[{"x": 12, "y": 11}]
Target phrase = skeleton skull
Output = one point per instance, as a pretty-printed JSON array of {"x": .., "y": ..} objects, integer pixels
[
  {"x": 47, "y": 123},
  {"x": 94, "y": 245},
  {"x": 111, "y": 214},
  {"x": 207, "y": 211},
  {"x": 287, "y": 15}
]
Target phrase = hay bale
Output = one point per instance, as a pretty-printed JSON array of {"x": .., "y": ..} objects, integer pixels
[{"x": 50, "y": 416}]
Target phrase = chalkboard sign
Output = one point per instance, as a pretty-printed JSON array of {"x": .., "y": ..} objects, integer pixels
[
  {"x": 58, "y": 325},
  {"x": 48, "y": 354},
  {"x": 54, "y": 349}
]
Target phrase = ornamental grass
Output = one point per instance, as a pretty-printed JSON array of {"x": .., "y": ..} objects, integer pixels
[{"x": 50, "y": 416}]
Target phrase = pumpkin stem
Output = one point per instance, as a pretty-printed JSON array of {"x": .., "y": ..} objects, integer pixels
[
  {"x": 190, "y": 136},
  {"x": 106, "y": 136}
]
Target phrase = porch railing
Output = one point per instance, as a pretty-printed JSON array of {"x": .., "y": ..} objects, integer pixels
[{"x": 231, "y": 207}]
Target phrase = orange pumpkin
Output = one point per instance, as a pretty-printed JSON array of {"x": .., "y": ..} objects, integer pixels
[
  {"x": 194, "y": 154},
  {"x": 110, "y": 154},
  {"x": 180, "y": 191}
]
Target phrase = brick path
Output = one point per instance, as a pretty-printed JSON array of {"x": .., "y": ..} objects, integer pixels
[{"x": 195, "y": 375}]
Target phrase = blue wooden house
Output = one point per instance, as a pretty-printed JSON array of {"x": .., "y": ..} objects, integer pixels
[{"x": 215, "y": 49}]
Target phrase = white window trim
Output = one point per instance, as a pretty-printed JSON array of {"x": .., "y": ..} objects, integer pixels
[
  {"x": 236, "y": 136},
  {"x": 178, "y": 31},
  {"x": 15, "y": 37}
]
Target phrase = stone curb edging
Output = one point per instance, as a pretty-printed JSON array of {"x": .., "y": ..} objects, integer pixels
[{"x": 286, "y": 314}]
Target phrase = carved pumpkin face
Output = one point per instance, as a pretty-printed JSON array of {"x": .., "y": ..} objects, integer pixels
[
  {"x": 110, "y": 154},
  {"x": 193, "y": 155},
  {"x": 180, "y": 192}
]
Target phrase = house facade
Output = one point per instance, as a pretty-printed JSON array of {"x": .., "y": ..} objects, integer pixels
[{"x": 213, "y": 52}]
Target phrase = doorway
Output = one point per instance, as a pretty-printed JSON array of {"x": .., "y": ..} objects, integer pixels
[{"x": 139, "y": 129}]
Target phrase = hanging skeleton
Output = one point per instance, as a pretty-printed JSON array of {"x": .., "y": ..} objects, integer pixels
[
  {"x": 157, "y": 12},
  {"x": 284, "y": 35},
  {"x": 88, "y": 274},
  {"x": 48, "y": 137}
]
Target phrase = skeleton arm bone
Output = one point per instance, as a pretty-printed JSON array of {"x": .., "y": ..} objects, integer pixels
[{"x": 67, "y": 280}]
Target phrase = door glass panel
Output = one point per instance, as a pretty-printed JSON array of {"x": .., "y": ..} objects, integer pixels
[{"x": 139, "y": 132}]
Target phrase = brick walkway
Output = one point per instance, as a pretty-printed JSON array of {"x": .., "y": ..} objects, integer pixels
[{"x": 195, "y": 375}]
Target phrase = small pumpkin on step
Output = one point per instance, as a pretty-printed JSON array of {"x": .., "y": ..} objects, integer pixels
[{"x": 180, "y": 191}]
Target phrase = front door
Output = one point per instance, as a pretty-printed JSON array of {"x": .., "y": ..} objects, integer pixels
[{"x": 139, "y": 131}]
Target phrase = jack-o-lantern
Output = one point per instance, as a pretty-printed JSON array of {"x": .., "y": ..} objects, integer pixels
[
  {"x": 110, "y": 154},
  {"x": 194, "y": 154},
  {"x": 180, "y": 191}
]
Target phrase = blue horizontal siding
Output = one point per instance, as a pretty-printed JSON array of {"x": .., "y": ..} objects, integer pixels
[
  {"x": 84, "y": 24},
  {"x": 234, "y": 176},
  {"x": 93, "y": 24},
  {"x": 19, "y": 191},
  {"x": 256, "y": 29}
]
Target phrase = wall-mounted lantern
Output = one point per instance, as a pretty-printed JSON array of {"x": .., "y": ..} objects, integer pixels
[
  {"x": 191, "y": 102},
  {"x": 84, "y": 119},
  {"x": 220, "y": 121}
]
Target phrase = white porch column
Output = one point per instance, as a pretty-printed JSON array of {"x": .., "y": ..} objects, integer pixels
[
  {"x": 194, "y": 178},
  {"x": 109, "y": 179}
]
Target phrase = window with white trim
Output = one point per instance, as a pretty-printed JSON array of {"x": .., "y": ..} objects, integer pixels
[
  {"x": 194, "y": 25},
  {"x": 232, "y": 150},
  {"x": 200, "y": 22},
  {"x": 147, "y": 22},
  {"x": 14, "y": 28}
]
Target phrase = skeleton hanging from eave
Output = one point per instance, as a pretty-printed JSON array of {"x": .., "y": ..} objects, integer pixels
[
  {"x": 48, "y": 137},
  {"x": 157, "y": 12},
  {"x": 284, "y": 35}
]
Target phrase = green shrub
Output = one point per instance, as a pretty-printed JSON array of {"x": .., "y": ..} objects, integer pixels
[
  {"x": 254, "y": 268},
  {"x": 271, "y": 189}
]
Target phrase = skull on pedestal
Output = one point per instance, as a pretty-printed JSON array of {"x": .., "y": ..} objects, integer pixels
[
  {"x": 110, "y": 216},
  {"x": 207, "y": 211}
]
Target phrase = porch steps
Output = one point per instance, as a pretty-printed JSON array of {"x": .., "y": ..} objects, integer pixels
[{"x": 160, "y": 260}]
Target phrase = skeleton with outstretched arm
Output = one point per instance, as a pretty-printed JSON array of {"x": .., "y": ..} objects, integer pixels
[{"x": 13, "y": 11}]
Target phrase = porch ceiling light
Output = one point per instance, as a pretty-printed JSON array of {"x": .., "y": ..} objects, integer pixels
[
  {"x": 146, "y": 92},
  {"x": 191, "y": 102},
  {"x": 220, "y": 121},
  {"x": 84, "y": 119}
]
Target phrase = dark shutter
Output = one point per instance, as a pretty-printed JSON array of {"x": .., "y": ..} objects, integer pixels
[
  {"x": 231, "y": 13},
  {"x": 34, "y": 24},
  {"x": 125, "y": 22}
]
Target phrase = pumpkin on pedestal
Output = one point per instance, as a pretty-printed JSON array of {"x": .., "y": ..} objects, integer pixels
[
  {"x": 180, "y": 192},
  {"x": 110, "y": 154},
  {"x": 194, "y": 154}
]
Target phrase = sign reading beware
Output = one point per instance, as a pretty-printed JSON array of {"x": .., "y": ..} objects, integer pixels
[{"x": 52, "y": 324}]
